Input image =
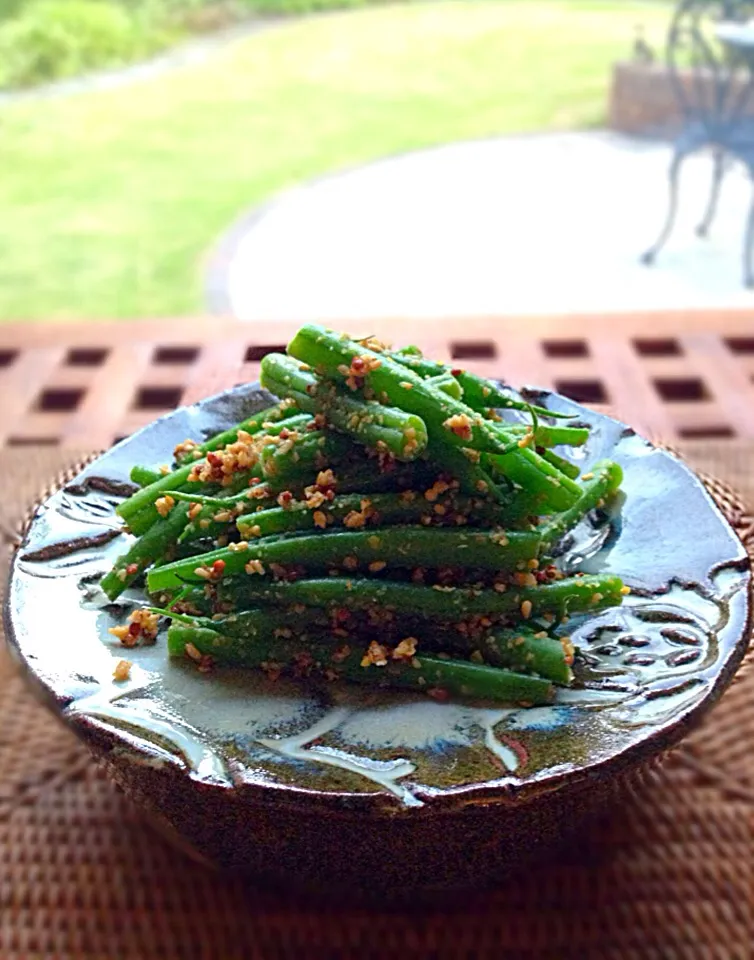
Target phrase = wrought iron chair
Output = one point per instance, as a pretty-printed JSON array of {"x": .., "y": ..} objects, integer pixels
[{"x": 714, "y": 94}]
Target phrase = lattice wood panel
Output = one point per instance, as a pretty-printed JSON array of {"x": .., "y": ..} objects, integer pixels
[{"x": 679, "y": 375}]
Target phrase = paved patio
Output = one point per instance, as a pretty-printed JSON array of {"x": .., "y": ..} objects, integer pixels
[{"x": 548, "y": 223}]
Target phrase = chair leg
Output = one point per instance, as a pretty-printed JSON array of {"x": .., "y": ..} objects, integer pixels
[
  {"x": 718, "y": 172},
  {"x": 748, "y": 244},
  {"x": 675, "y": 167}
]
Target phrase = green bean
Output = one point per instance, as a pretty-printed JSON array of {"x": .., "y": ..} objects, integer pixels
[
  {"x": 258, "y": 624},
  {"x": 143, "y": 476},
  {"x": 393, "y": 430},
  {"x": 480, "y": 394},
  {"x": 253, "y": 424},
  {"x": 154, "y": 544},
  {"x": 363, "y": 476},
  {"x": 546, "y": 435},
  {"x": 217, "y": 517},
  {"x": 448, "y": 384},
  {"x": 139, "y": 523},
  {"x": 395, "y": 546},
  {"x": 399, "y": 385},
  {"x": 598, "y": 485},
  {"x": 324, "y": 656},
  {"x": 571, "y": 470},
  {"x": 464, "y": 465},
  {"x": 141, "y": 504},
  {"x": 315, "y": 450},
  {"x": 218, "y": 503},
  {"x": 553, "y": 489},
  {"x": 191, "y": 598},
  {"x": 522, "y": 648},
  {"x": 381, "y": 509},
  {"x": 390, "y": 382},
  {"x": 561, "y": 597},
  {"x": 304, "y": 456}
]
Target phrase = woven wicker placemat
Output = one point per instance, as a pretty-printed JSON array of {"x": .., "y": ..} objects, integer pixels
[{"x": 668, "y": 874}]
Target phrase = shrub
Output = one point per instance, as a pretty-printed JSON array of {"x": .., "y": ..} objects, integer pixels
[
  {"x": 51, "y": 39},
  {"x": 45, "y": 40}
]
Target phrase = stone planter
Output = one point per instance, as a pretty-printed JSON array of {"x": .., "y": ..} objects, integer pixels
[{"x": 643, "y": 101}]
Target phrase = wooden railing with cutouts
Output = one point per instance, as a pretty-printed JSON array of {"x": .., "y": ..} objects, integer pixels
[{"x": 678, "y": 375}]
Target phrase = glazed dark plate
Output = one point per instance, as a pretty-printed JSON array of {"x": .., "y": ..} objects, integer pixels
[{"x": 335, "y": 785}]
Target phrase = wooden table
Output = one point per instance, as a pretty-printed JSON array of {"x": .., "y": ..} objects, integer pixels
[{"x": 676, "y": 375}]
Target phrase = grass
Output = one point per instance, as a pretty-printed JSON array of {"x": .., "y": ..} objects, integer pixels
[{"x": 110, "y": 200}]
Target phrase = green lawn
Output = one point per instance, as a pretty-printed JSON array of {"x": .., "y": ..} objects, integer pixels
[{"x": 110, "y": 201}]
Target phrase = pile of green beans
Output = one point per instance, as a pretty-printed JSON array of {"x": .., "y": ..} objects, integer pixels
[{"x": 383, "y": 524}]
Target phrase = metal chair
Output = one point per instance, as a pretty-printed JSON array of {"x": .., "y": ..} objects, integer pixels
[{"x": 707, "y": 81}]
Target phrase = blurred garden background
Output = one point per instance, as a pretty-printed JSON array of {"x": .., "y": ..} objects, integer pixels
[{"x": 112, "y": 194}]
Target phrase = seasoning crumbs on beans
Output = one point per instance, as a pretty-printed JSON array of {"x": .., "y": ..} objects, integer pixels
[{"x": 122, "y": 671}]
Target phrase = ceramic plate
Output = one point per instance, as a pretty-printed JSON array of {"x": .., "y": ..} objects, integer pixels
[{"x": 646, "y": 671}]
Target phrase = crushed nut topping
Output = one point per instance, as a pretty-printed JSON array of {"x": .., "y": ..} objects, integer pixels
[
  {"x": 360, "y": 367},
  {"x": 373, "y": 343},
  {"x": 164, "y": 505},
  {"x": 122, "y": 671},
  {"x": 358, "y": 518},
  {"x": 219, "y": 466},
  {"x": 438, "y": 487},
  {"x": 376, "y": 655},
  {"x": 524, "y": 579},
  {"x": 460, "y": 425},
  {"x": 185, "y": 446},
  {"x": 341, "y": 653},
  {"x": 212, "y": 572},
  {"x": 568, "y": 649},
  {"x": 406, "y": 649},
  {"x": 142, "y": 626}
]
